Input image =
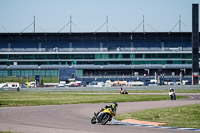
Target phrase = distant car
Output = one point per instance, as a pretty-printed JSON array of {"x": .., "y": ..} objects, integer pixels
[
  {"x": 153, "y": 84},
  {"x": 171, "y": 83},
  {"x": 74, "y": 85},
  {"x": 61, "y": 85},
  {"x": 13, "y": 85},
  {"x": 137, "y": 83},
  {"x": 96, "y": 84}
]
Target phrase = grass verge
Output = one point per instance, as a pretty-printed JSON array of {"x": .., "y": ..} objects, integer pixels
[
  {"x": 9, "y": 99},
  {"x": 165, "y": 91},
  {"x": 145, "y": 91},
  {"x": 181, "y": 116}
]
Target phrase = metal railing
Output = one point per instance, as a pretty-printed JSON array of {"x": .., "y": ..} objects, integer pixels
[
  {"x": 130, "y": 76},
  {"x": 90, "y": 49}
]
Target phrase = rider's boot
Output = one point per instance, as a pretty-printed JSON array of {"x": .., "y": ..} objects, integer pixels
[{"x": 95, "y": 114}]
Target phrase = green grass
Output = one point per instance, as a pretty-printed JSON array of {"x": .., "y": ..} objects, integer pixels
[
  {"x": 165, "y": 91},
  {"x": 146, "y": 91},
  {"x": 182, "y": 116},
  {"x": 8, "y": 99}
]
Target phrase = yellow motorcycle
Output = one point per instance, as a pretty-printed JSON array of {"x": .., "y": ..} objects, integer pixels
[{"x": 103, "y": 117}]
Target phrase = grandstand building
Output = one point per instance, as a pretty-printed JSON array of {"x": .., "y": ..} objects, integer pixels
[{"x": 99, "y": 56}]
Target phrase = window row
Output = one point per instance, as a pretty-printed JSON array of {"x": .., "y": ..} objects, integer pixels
[
  {"x": 95, "y": 56},
  {"x": 29, "y": 73},
  {"x": 98, "y": 62}
]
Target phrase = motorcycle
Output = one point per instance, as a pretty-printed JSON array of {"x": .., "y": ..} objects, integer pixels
[
  {"x": 102, "y": 117},
  {"x": 124, "y": 92},
  {"x": 172, "y": 95}
]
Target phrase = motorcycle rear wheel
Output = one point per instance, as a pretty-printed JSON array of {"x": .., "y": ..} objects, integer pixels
[{"x": 105, "y": 118}]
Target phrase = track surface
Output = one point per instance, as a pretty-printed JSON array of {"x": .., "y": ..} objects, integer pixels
[{"x": 76, "y": 118}]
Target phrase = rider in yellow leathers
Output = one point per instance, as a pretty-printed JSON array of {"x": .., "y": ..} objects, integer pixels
[{"x": 113, "y": 107}]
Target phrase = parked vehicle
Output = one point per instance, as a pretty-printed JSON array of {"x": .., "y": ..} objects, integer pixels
[
  {"x": 96, "y": 84},
  {"x": 119, "y": 83},
  {"x": 13, "y": 85},
  {"x": 2, "y": 85},
  {"x": 137, "y": 83},
  {"x": 61, "y": 85},
  {"x": 73, "y": 84}
]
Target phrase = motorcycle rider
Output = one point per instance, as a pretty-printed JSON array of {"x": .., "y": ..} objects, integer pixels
[
  {"x": 113, "y": 107},
  {"x": 122, "y": 91},
  {"x": 172, "y": 94}
]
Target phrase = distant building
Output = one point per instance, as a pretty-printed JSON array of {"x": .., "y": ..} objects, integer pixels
[{"x": 100, "y": 56}]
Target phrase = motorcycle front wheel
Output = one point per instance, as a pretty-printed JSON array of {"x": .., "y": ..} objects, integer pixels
[
  {"x": 93, "y": 120},
  {"x": 105, "y": 118}
]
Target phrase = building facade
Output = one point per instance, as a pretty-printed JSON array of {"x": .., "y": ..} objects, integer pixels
[{"x": 102, "y": 56}]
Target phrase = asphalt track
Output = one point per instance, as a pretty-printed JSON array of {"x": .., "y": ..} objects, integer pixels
[{"x": 75, "y": 118}]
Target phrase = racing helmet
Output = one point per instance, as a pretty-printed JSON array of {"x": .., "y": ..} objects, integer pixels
[{"x": 114, "y": 105}]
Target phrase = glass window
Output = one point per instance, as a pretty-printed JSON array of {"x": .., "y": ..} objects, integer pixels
[
  {"x": 15, "y": 56},
  {"x": 3, "y": 56},
  {"x": 177, "y": 62},
  {"x": 88, "y": 56},
  {"x": 97, "y": 56},
  {"x": 3, "y": 73},
  {"x": 101, "y": 63},
  {"x": 52, "y": 56},
  {"x": 76, "y": 56},
  {"x": 26, "y": 73},
  {"x": 148, "y": 62},
  {"x": 104, "y": 56},
  {"x": 126, "y": 56},
  {"x": 42, "y": 73},
  {"x": 27, "y": 63},
  {"x": 64, "y": 56},
  {"x": 138, "y": 56},
  {"x": 187, "y": 56},
  {"x": 113, "y": 56},
  {"x": 188, "y": 62},
  {"x": 132, "y": 56},
  {"x": 38, "y": 56},
  {"x": 175, "y": 56},
  {"x": 150, "y": 56},
  {"x": 119, "y": 56},
  {"x": 162, "y": 55},
  {"x": 16, "y": 73},
  {"x": 37, "y": 72},
  {"x": 27, "y": 56},
  {"x": 169, "y": 62},
  {"x": 79, "y": 73}
]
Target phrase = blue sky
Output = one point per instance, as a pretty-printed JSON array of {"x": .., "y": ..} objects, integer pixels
[{"x": 89, "y": 15}]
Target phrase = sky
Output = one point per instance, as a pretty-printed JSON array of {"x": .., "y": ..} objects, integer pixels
[{"x": 90, "y": 15}]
